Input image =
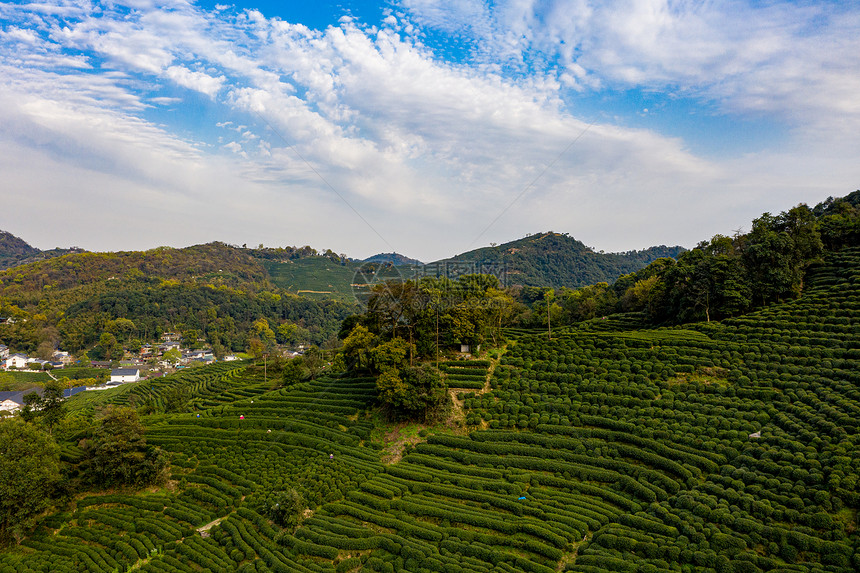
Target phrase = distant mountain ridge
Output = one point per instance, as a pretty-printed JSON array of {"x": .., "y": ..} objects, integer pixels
[
  {"x": 395, "y": 259},
  {"x": 543, "y": 259},
  {"x": 15, "y": 251},
  {"x": 555, "y": 260}
]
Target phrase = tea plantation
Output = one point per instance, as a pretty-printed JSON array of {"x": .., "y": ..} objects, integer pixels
[{"x": 728, "y": 446}]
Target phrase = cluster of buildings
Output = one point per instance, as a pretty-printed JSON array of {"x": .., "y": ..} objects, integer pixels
[
  {"x": 155, "y": 353},
  {"x": 23, "y": 362},
  {"x": 158, "y": 355}
]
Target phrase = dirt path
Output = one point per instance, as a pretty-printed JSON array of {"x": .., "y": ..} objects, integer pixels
[
  {"x": 457, "y": 419},
  {"x": 569, "y": 558},
  {"x": 204, "y": 530},
  {"x": 492, "y": 368},
  {"x": 458, "y": 414},
  {"x": 401, "y": 435}
]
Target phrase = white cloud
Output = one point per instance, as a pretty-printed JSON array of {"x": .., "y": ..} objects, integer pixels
[
  {"x": 165, "y": 100},
  {"x": 429, "y": 152},
  {"x": 197, "y": 81},
  {"x": 796, "y": 61},
  {"x": 20, "y": 35}
]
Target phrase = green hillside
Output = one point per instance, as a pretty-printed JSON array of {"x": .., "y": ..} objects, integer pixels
[
  {"x": 15, "y": 251},
  {"x": 315, "y": 277},
  {"x": 393, "y": 258},
  {"x": 214, "y": 291},
  {"x": 713, "y": 447},
  {"x": 546, "y": 260},
  {"x": 558, "y": 260}
]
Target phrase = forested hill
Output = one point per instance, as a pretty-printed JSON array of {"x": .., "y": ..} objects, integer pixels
[
  {"x": 213, "y": 263},
  {"x": 15, "y": 251},
  {"x": 215, "y": 291},
  {"x": 559, "y": 260},
  {"x": 395, "y": 259}
]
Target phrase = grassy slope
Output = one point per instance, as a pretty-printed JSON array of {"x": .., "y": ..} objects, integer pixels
[
  {"x": 603, "y": 450},
  {"x": 314, "y": 277}
]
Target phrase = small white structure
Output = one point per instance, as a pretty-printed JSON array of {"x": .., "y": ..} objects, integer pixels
[
  {"x": 230, "y": 358},
  {"x": 198, "y": 355},
  {"x": 13, "y": 401},
  {"x": 9, "y": 406},
  {"x": 19, "y": 361},
  {"x": 123, "y": 375},
  {"x": 62, "y": 356},
  {"x": 4, "y": 351}
]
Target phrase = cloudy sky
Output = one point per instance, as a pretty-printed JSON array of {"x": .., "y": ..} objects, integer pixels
[{"x": 428, "y": 127}]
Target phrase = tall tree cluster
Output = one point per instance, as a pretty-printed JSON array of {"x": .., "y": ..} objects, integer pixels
[
  {"x": 726, "y": 276},
  {"x": 410, "y": 322}
]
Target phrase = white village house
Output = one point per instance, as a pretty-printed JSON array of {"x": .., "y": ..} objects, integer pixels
[
  {"x": 9, "y": 405},
  {"x": 18, "y": 361},
  {"x": 14, "y": 401},
  {"x": 123, "y": 375}
]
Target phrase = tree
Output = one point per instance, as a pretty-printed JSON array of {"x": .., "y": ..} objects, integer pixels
[
  {"x": 176, "y": 398},
  {"x": 261, "y": 330},
  {"x": 30, "y": 409},
  {"x": 172, "y": 356},
  {"x": 285, "y": 508},
  {"x": 256, "y": 348},
  {"x": 121, "y": 328},
  {"x": 777, "y": 251},
  {"x": 314, "y": 360},
  {"x": 29, "y": 472},
  {"x": 390, "y": 355},
  {"x": 108, "y": 348},
  {"x": 287, "y": 333},
  {"x": 117, "y": 455},
  {"x": 356, "y": 348},
  {"x": 45, "y": 351},
  {"x": 295, "y": 371},
  {"x": 413, "y": 391},
  {"x": 52, "y": 407},
  {"x": 135, "y": 345}
]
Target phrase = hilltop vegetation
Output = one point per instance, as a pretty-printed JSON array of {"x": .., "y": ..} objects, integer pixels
[
  {"x": 15, "y": 251},
  {"x": 558, "y": 260},
  {"x": 394, "y": 258}
]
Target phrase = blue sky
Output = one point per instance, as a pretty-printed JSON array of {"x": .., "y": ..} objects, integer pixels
[{"x": 428, "y": 127}]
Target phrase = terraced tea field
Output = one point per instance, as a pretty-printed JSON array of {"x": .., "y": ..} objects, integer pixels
[{"x": 716, "y": 447}]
